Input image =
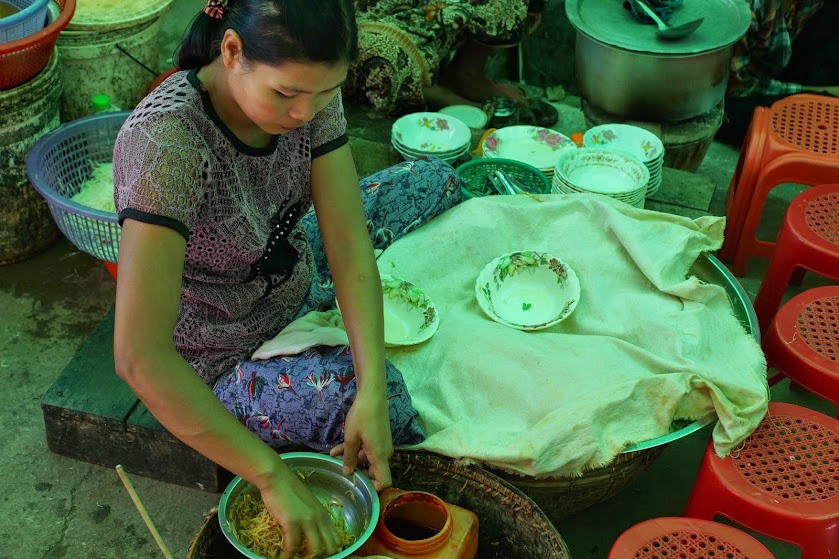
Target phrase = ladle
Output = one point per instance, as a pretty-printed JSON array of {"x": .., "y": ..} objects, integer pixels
[{"x": 667, "y": 32}]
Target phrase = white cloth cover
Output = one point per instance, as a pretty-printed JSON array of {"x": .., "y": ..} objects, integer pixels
[{"x": 648, "y": 343}]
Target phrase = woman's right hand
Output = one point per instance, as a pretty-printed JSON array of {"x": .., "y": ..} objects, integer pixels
[{"x": 304, "y": 520}]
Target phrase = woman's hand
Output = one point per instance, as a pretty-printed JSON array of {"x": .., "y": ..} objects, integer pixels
[
  {"x": 367, "y": 437},
  {"x": 303, "y": 519}
]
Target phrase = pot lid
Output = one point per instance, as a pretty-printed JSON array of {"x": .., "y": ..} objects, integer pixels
[
  {"x": 607, "y": 21},
  {"x": 106, "y": 15}
]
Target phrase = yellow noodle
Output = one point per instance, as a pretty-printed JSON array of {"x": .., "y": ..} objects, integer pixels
[{"x": 257, "y": 530}]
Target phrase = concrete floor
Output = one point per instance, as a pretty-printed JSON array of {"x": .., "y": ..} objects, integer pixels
[{"x": 53, "y": 507}]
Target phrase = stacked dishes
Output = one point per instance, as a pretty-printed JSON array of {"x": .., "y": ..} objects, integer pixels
[
  {"x": 638, "y": 142},
  {"x": 602, "y": 171},
  {"x": 431, "y": 134},
  {"x": 536, "y": 146}
]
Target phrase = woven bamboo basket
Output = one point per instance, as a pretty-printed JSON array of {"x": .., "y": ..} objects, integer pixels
[
  {"x": 511, "y": 524},
  {"x": 561, "y": 497}
]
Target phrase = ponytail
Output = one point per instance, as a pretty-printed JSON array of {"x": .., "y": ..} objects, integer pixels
[{"x": 202, "y": 43}]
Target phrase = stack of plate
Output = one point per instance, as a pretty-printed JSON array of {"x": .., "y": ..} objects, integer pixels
[
  {"x": 633, "y": 140},
  {"x": 422, "y": 134},
  {"x": 602, "y": 171},
  {"x": 536, "y": 146}
]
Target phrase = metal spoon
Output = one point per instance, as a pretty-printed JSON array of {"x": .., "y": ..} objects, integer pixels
[
  {"x": 667, "y": 32},
  {"x": 504, "y": 181}
]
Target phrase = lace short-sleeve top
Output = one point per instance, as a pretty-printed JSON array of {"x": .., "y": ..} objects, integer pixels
[{"x": 248, "y": 263}]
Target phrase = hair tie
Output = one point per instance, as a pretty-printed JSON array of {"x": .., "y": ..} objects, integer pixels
[{"x": 216, "y": 8}]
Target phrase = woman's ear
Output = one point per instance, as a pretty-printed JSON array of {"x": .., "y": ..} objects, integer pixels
[{"x": 232, "y": 54}]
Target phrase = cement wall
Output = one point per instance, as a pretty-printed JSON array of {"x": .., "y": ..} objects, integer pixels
[{"x": 548, "y": 54}]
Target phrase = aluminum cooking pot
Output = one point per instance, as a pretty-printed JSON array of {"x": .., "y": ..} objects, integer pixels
[{"x": 623, "y": 69}]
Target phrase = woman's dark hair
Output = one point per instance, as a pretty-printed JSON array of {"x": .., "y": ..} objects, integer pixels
[{"x": 276, "y": 31}]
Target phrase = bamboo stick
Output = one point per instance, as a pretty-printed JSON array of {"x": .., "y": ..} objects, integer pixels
[{"x": 146, "y": 518}]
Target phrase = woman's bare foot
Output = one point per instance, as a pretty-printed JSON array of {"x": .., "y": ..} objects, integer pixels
[
  {"x": 478, "y": 88},
  {"x": 466, "y": 76}
]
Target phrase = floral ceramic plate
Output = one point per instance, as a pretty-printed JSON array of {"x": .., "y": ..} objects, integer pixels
[
  {"x": 409, "y": 153},
  {"x": 410, "y": 316},
  {"x": 634, "y": 140},
  {"x": 430, "y": 133},
  {"x": 527, "y": 290},
  {"x": 450, "y": 158},
  {"x": 539, "y": 147},
  {"x": 473, "y": 117}
]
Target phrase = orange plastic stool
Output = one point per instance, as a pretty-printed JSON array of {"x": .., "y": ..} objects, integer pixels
[
  {"x": 809, "y": 239},
  {"x": 746, "y": 173},
  {"x": 796, "y": 168},
  {"x": 783, "y": 483},
  {"x": 805, "y": 125},
  {"x": 802, "y": 342},
  {"x": 686, "y": 538}
]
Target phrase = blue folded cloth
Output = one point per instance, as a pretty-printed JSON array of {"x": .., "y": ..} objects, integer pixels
[{"x": 663, "y": 9}]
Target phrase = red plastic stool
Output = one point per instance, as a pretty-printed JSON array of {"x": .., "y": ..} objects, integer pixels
[
  {"x": 783, "y": 483},
  {"x": 686, "y": 538},
  {"x": 802, "y": 125},
  {"x": 803, "y": 342},
  {"x": 112, "y": 268},
  {"x": 809, "y": 239}
]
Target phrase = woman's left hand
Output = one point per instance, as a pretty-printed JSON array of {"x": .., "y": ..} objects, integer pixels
[{"x": 367, "y": 437}]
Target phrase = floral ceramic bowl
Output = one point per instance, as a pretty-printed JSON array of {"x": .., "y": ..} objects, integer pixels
[
  {"x": 430, "y": 133},
  {"x": 410, "y": 316},
  {"x": 527, "y": 290},
  {"x": 602, "y": 171},
  {"x": 536, "y": 146}
]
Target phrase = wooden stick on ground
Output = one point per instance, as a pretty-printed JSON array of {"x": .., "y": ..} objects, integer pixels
[{"x": 137, "y": 503}]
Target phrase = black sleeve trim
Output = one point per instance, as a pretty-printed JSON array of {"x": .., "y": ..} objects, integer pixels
[
  {"x": 154, "y": 219},
  {"x": 330, "y": 146}
]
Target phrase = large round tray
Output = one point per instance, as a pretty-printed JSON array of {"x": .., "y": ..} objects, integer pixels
[
  {"x": 560, "y": 497},
  {"x": 511, "y": 525},
  {"x": 710, "y": 270}
]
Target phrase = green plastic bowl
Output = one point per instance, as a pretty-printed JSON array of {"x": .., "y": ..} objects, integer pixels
[{"x": 473, "y": 175}]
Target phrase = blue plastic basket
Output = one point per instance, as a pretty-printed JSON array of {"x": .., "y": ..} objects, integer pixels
[
  {"x": 60, "y": 162},
  {"x": 31, "y": 18}
]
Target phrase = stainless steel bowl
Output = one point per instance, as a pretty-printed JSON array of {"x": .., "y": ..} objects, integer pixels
[{"x": 322, "y": 475}]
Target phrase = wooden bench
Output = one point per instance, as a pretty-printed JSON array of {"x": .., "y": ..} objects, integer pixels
[{"x": 90, "y": 414}]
